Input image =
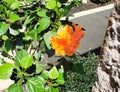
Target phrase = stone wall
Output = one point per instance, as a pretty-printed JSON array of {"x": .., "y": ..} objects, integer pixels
[{"x": 108, "y": 70}]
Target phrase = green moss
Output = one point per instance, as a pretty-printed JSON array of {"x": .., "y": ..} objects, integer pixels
[{"x": 81, "y": 77}]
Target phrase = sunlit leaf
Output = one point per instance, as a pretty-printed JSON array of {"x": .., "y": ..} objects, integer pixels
[
  {"x": 34, "y": 85},
  {"x": 26, "y": 61},
  {"x": 6, "y": 70},
  {"x": 14, "y": 5},
  {"x": 21, "y": 54},
  {"x": 60, "y": 79},
  {"x": 53, "y": 73},
  {"x": 28, "y": 20},
  {"x": 9, "y": 2},
  {"x": 15, "y": 88},
  {"x": 42, "y": 80},
  {"x": 44, "y": 23},
  {"x": 42, "y": 14},
  {"x": 3, "y": 28},
  {"x": 52, "y": 4},
  {"x": 14, "y": 17}
]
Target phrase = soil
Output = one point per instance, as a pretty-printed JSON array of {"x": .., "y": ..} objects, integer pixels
[{"x": 89, "y": 5}]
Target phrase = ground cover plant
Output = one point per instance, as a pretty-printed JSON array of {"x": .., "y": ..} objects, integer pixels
[{"x": 81, "y": 75}]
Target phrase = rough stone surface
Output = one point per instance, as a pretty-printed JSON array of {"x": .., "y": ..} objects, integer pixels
[{"x": 108, "y": 70}]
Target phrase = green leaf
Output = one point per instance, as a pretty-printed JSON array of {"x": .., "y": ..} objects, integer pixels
[
  {"x": 39, "y": 67},
  {"x": 34, "y": 85},
  {"x": 42, "y": 14},
  {"x": 15, "y": 88},
  {"x": 6, "y": 70},
  {"x": 47, "y": 38},
  {"x": 9, "y": 2},
  {"x": 28, "y": 20},
  {"x": 14, "y": 5},
  {"x": 8, "y": 45},
  {"x": 14, "y": 17},
  {"x": 26, "y": 61},
  {"x": 27, "y": 37},
  {"x": 2, "y": 7},
  {"x": 53, "y": 73},
  {"x": 52, "y": 89},
  {"x": 44, "y": 23},
  {"x": 44, "y": 74},
  {"x": 14, "y": 32},
  {"x": 52, "y": 4},
  {"x": 3, "y": 28},
  {"x": 33, "y": 34},
  {"x": 42, "y": 80},
  {"x": 60, "y": 79},
  {"x": 21, "y": 54}
]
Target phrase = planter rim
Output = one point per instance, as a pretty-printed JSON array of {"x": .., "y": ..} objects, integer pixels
[{"x": 91, "y": 11}]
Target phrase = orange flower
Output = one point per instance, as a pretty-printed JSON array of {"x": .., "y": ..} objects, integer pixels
[{"x": 67, "y": 39}]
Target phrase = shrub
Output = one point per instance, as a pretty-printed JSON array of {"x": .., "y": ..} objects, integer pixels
[
  {"x": 26, "y": 30},
  {"x": 81, "y": 76}
]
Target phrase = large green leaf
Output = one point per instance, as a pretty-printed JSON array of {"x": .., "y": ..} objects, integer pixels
[
  {"x": 14, "y": 17},
  {"x": 34, "y": 85},
  {"x": 14, "y": 5},
  {"x": 44, "y": 23},
  {"x": 53, "y": 73},
  {"x": 47, "y": 38},
  {"x": 6, "y": 70},
  {"x": 26, "y": 61},
  {"x": 15, "y": 88},
  {"x": 3, "y": 28},
  {"x": 19, "y": 56},
  {"x": 52, "y": 4}
]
